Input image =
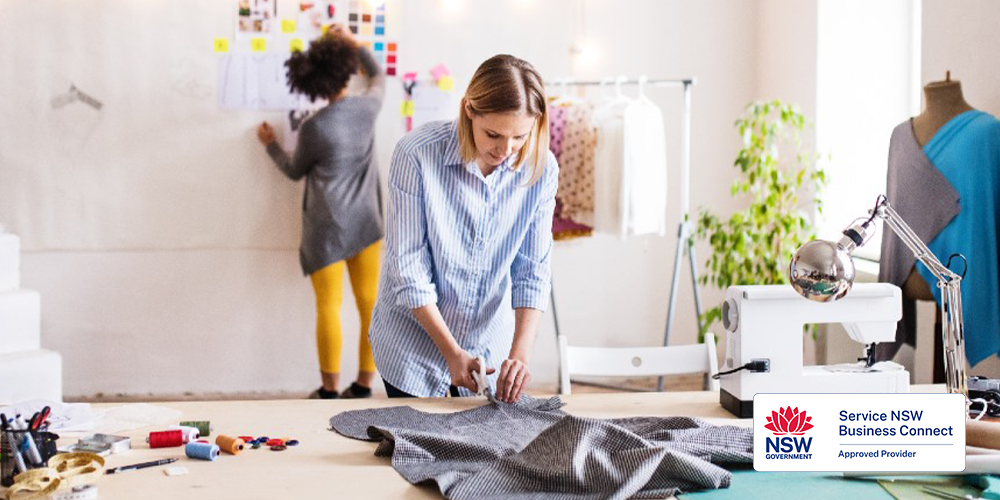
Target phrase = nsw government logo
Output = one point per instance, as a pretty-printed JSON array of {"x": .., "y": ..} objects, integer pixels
[{"x": 789, "y": 425}]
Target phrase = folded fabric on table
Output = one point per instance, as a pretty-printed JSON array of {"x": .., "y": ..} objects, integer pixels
[{"x": 532, "y": 450}]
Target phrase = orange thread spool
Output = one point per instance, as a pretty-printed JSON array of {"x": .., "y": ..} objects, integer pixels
[{"x": 230, "y": 445}]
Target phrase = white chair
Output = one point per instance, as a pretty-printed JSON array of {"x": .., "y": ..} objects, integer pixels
[{"x": 637, "y": 361}]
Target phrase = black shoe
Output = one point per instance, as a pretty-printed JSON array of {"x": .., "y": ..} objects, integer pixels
[
  {"x": 356, "y": 391},
  {"x": 322, "y": 393}
]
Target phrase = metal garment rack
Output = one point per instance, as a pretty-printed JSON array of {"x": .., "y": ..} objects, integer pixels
[{"x": 684, "y": 232}]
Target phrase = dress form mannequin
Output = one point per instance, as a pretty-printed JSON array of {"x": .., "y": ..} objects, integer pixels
[{"x": 943, "y": 101}]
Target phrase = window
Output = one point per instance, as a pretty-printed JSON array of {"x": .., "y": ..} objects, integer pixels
[{"x": 868, "y": 81}]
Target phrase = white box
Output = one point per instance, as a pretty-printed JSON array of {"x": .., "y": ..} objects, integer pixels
[
  {"x": 10, "y": 262},
  {"x": 30, "y": 375},
  {"x": 20, "y": 321}
]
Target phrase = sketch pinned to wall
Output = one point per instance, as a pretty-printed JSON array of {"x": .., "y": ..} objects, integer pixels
[
  {"x": 256, "y": 17},
  {"x": 428, "y": 101},
  {"x": 316, "y": 17},
  {"x": 75, "y": 95},
  {"x": 255, "y": 81}
]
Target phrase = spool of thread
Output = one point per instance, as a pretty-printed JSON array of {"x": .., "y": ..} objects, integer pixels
[
  {"x": 165, "y": 439},
  {"x": 275, "y": 442},
  {"x": 190, "y": 433},
  {"x": 202, "y": 451},
  {"x": 204, "y": 426},
  {"x": 230, "y": 445}
]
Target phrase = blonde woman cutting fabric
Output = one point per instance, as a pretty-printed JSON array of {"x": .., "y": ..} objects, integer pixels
[{"x": 468, "y": 240}]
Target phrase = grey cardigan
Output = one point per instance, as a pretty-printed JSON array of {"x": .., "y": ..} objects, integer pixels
[{"x": 342, "y": 208}]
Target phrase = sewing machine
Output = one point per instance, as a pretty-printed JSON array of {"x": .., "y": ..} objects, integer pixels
[{"x": 765, "y": 322}]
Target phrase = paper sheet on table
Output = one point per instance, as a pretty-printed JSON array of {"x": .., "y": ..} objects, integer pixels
[
  {"x": 128, "y": 417},
  {"x": 65, "y": 417}
]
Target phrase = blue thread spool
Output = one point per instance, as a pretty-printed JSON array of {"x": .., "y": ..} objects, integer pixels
[{"x": 202, "y": 451}]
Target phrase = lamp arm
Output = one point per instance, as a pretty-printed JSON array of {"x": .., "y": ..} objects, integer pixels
[{"x": 952, "y": 328}]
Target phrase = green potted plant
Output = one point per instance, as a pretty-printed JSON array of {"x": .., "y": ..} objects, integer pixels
[{"x": 780, "y": 177}]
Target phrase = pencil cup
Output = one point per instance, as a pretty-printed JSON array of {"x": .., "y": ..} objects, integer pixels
[{"x": 13, "y": 461}]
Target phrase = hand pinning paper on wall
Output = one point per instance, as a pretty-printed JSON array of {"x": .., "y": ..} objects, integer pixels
[{"x": 221, "y": 45}]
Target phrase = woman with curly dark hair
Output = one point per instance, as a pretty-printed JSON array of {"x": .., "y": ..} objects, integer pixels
[{"x": 342, "y": 215}]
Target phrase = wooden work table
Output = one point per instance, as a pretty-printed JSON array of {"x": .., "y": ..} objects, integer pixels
[{"x": 326, "y": 464}]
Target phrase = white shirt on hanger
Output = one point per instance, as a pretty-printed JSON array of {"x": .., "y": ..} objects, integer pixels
[
  {"x": 645, "y": 176},
  {"x": 609, "y": 167}
]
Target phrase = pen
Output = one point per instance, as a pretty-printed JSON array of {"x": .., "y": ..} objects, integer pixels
[
  {"x": 43, "y": 416},
  {"x": 142, "y": 465},
  {"x": 27, "y": 440}
]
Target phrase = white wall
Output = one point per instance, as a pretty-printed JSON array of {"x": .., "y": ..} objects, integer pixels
[
  {"x": 238, "y": 320},
  {"x": 961, "y": 36}
]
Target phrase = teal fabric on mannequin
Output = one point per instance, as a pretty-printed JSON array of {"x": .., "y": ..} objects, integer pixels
[{"x": 967, "y": 151}]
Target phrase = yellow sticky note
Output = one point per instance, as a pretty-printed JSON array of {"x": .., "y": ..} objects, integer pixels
[
  {"x": 221, "y": 45},
  {"x": 295, "y": 45},
  {"x": 288, "y": 26},
  {"x": 446, "y": 83},
  {"x": 258, "y": 44},
  {"x": 323, "y": 29},
  {"x": 407, "y": 108}
]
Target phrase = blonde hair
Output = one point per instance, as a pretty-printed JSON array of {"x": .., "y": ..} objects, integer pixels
[{"x": 503, "y": 84}]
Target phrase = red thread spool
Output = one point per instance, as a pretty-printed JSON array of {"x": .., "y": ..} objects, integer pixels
[
  {"x": 275, "y": 442},
  {"x": 246, "y": 439},
  {"x": 166, "y": 439}
]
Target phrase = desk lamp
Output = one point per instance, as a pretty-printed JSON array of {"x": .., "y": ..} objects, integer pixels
[{"x": 823, "y": 271}]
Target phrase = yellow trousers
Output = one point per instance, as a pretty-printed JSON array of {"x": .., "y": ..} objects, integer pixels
[{"x": 329, "y": 286}]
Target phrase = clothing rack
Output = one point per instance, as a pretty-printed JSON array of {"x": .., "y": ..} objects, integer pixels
[{"x": 684, "y": 232}]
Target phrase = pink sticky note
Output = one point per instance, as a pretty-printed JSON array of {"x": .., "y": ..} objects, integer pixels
[
  {"x": 410, "y": 76},
  {"x": 439, "y": 71}
]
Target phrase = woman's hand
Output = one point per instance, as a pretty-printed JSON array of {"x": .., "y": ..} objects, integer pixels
[
  {"x": 265, "y": 133},
  {"x": 514, "y": 376},
  {"x": 461, "y": 365}
]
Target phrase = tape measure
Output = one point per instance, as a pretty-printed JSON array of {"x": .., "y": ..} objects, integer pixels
[{"x": 72, "y": 473}]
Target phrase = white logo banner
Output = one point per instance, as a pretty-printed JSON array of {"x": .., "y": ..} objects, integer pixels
[{"x": 859, "y": 432}]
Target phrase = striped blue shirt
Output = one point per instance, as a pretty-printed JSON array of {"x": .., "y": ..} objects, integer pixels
[{"x": 476, "y": 246}]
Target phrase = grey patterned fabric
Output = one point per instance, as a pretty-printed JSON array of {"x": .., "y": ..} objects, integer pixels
[{"x": 532, "y": 450}]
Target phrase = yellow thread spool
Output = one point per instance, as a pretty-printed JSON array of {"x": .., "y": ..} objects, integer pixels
[{"x": 230, "y": 445}]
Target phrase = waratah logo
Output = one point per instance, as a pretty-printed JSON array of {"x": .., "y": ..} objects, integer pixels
[{"x": 788, "y": 421}]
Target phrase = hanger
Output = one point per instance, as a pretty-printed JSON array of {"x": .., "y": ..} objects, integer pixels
[{"x": 563, "y": 98}]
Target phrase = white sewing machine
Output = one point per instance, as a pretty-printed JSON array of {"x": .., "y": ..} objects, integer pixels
[{"x": 765, "y": 322}]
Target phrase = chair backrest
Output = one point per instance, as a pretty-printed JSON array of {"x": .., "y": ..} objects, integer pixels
[{"x": 637, "y": 361}]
